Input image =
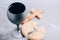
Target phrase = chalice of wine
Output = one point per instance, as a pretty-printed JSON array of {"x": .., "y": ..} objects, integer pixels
[{"x": 15, "y": 15}]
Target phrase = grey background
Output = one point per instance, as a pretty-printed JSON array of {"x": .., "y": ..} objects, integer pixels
[{"x": 50, "y": 20}]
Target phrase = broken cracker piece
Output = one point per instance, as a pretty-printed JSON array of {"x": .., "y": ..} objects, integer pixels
[
  {"x": 34, "y": 13},
  {"x": 38, "y": 34},
  {"x": 28, "y": 27}
]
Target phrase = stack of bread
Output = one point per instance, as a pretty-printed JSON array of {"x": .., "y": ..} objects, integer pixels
[{"x": 30, "y": 29}]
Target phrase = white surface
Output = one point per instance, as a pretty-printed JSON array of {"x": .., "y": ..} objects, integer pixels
[{"x": 50, "y": 20}]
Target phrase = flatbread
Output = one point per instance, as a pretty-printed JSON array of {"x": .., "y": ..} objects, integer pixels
[
  {"x": 28, "y": 27},
  {"x": 38, "y": 34}
]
